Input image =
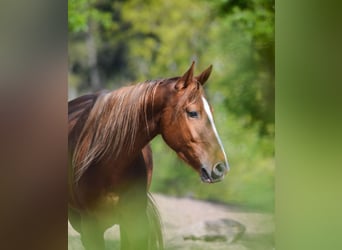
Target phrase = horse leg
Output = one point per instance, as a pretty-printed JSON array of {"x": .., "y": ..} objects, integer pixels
[
  {"x": 133, "y": 220},
  {"x": 140, "y": 227},
  {"x": 75, "y": 219},
  {"x": 91, "y": 233}
]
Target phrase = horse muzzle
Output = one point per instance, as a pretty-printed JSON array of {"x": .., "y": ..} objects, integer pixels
[{"x": 216, "y": 174}]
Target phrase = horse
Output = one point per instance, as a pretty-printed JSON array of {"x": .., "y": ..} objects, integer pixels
[{"x": 110, "y": 158}]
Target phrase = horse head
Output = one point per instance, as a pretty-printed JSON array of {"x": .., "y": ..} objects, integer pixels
[{"x": 187, "y": 126}]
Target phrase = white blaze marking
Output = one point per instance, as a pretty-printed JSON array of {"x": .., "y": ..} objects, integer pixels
[{"x": 211, "y": 119}]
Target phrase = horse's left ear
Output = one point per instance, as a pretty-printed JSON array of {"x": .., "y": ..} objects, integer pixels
[
  {"x": 203, "y": 77},
  {"x": 186, "y": 79}
]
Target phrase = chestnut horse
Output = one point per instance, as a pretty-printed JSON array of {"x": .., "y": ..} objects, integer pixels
[{"x": 110, "y": 160}]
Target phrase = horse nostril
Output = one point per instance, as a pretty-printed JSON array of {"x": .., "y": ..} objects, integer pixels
[{"x": 218, "y": 170}]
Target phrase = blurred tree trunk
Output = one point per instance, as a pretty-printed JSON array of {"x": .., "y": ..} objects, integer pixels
[{"x": 94, "y": 76}]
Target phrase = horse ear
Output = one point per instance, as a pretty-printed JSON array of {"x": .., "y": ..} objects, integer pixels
[
  {"x": 203, "y": 77},
  {"x": 184, "y": 81}
]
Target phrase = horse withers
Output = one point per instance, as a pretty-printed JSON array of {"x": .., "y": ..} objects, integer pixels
[{"x": 110, "y": 160}]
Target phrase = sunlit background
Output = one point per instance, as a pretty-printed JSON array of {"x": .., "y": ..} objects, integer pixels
[{"x": 115, "y": 43}]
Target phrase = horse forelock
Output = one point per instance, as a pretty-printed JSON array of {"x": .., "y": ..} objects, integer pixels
[
  {"x": 190, "y": 95},
  {"x": 112, "y": 126}
]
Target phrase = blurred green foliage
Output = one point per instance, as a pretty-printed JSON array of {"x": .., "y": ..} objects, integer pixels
[{"x": 136, "y": 40}]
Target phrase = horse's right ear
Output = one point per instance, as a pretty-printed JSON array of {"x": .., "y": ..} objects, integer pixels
[
  {"x": 203, "y": 77},
  {"x": 187, "y": 78}
]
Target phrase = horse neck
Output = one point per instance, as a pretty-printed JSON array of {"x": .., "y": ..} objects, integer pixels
[
  {"x": 121, "y": 123},
  {"x": 151, "y": 107},
  {"x": 145, "y": 101},
  {"x": 150, "y": 116},
  {"x": 155, "y": 108}
]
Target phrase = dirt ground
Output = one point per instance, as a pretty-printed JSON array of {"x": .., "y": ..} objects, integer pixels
[{"x": 190, "y": 224}]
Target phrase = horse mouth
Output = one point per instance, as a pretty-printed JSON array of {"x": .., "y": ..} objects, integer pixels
[{"x": 205, "y": 177}]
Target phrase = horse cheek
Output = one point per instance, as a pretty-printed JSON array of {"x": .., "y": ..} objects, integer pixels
[{"x": 172, "y": 138}]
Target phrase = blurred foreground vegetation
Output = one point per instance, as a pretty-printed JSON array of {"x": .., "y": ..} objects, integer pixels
[{"x": 113, "y": 43}]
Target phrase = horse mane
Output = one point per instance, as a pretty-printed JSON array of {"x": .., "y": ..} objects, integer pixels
[{"x": 112, "y": 125}]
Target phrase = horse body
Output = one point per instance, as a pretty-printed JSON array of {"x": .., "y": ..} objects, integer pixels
[
  {"x": 109, "y": 188},
  {"x": 110, "y": 165}
]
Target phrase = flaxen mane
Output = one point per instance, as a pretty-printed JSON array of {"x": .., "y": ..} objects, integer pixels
[{"x": 112, "y": 125}]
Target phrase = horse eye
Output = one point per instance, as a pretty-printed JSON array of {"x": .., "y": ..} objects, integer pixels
[{"x": 192, "y": 114}]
